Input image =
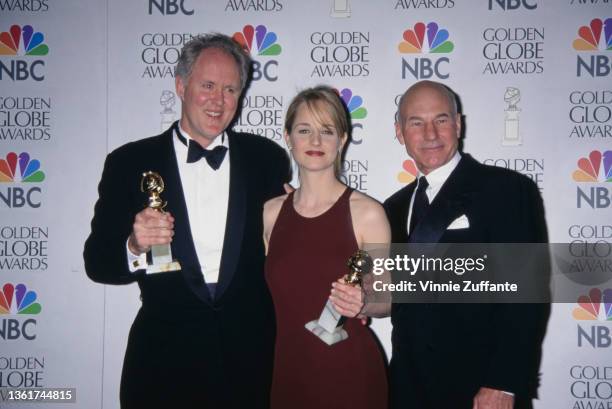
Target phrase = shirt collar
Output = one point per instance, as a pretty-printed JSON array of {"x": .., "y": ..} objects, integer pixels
[
  {"x": 220, "y": 140},
  {"x": 437, "y": 177}
]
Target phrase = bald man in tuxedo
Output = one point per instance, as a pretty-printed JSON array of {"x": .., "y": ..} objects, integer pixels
[{"x": 461, "y": 355}]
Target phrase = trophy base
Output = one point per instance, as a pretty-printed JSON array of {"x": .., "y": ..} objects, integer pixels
[
  {"x": 511, "y": 142},
  {"x": 163, "y": 267},
  {"x": 330, "y": 338},
  {"x": 340, "y": 14}
]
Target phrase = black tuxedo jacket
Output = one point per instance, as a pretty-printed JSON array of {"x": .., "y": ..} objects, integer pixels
[
  {"x": 443, "y": 353},
  {"x": 185, "y": 347}
]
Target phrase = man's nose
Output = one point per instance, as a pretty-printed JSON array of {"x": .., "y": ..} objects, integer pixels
[
  {"x": 218, "y": 96},
  {"x": 430, "y": 131}
]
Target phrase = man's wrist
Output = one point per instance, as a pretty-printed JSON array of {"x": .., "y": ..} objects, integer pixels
[
  {"x": 132, "y": 249},
  {"x": 135, "y": 261}
]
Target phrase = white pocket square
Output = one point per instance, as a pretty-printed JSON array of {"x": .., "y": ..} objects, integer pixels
[{"x": 460, "y": 222}]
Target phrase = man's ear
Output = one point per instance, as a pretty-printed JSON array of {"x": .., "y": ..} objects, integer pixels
[
  {"x": 398, "y": 133},
  {"x": 458, "y": 125},
  {"x": 179, "y": 86}
]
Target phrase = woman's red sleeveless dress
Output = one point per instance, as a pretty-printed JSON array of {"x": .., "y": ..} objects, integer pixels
[{"x": 305, "y": 256}]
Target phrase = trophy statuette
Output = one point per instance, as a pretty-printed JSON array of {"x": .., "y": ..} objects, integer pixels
[
  {"x": 512, "y": 137},
  {"x": 161, "y": 254},
  {"x": 329, "y": 325}
]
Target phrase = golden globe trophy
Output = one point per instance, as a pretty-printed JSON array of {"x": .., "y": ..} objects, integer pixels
[
  {"x": 329, "y": 325},
  {"x": 161, "y": 254}
]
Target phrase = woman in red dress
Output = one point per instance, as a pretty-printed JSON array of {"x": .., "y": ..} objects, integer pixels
[{"x": 309, "y": 236}]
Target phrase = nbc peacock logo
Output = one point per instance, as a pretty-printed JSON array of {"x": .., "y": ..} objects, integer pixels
[
  {"x": 596, "y": 167},
  {"x": 265, "y": 41},
  {"x": 22, "y": 41},
  {"x": 408, "y": 173},
  {"x": 260, "y": 42},
  {"x": 25, "y": 172},
  {"x": 429, "y": 39},
  {"x": 413, "y": 40},
  {"x": 593, "y": 310},
  {"x": 18, "y": 300},
  {"x": 596, "y": 305},
  {"x": 354, "y": 104},
  {"x": 29, "y": 169},
  {"x": 590, "y": 39}
]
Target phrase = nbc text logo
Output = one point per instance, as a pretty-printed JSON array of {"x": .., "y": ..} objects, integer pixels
[
  {"x": 260, "y": 42},
  {"x": 414, "y": 42},
  {"x": 354, "y": 105},
  {"x": 408, "y": 173},
  {"x": 24, "y": 41},
  {"x": 169, "y": 7},
  {"x": 513, "y": 4},
  {"x": 590, "y": 40},
  {"x": 596, "y": 306},
  {"x": 29, "y": 172},
  {"x": 597, "y": 197},
  {"x": 18, "y": 301}
]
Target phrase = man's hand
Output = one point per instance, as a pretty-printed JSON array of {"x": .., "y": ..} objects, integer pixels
[
  {"x": 346, "y": 299},
  {"x": 150, "y": 228},
  {"x": 488, "y": 398}
]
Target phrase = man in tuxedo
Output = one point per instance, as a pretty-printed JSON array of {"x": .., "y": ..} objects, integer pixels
[
  {"x": 460, "y": 355},
  {"x": 204, "y": 336}
]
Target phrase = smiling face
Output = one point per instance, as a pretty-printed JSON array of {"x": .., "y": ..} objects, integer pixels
[
  {"x": 428, "y": 126},
  {"x": 314, "y": 139},
  {"x": 209, "y": 95}
]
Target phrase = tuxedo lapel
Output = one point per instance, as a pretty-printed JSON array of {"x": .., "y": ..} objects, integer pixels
[
  {"x": 397, "y": 212},
  {"x": 450, "y": 203},
  {"x": 236, "y": 214},
  {"x": 183, "y": 248}
]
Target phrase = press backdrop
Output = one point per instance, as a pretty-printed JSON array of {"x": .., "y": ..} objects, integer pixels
[{"x": 80, "y": 78}]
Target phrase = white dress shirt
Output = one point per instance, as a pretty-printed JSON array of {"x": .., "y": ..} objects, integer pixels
[
  {"x": 436, "y": 179},
  {"x": 206, "y": 197}
]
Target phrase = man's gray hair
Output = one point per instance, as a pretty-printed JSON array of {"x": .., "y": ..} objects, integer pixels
[
  {"x": 194, "y": 47},
  {"x": 447, "y": 92}
]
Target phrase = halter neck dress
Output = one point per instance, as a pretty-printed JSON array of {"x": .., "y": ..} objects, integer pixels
[{"x": 307, "y": 254}]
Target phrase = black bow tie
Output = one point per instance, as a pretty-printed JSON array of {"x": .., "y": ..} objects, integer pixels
[
  {"x": 214, "y": 157},
  {"x": 195, "y": 152}
]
